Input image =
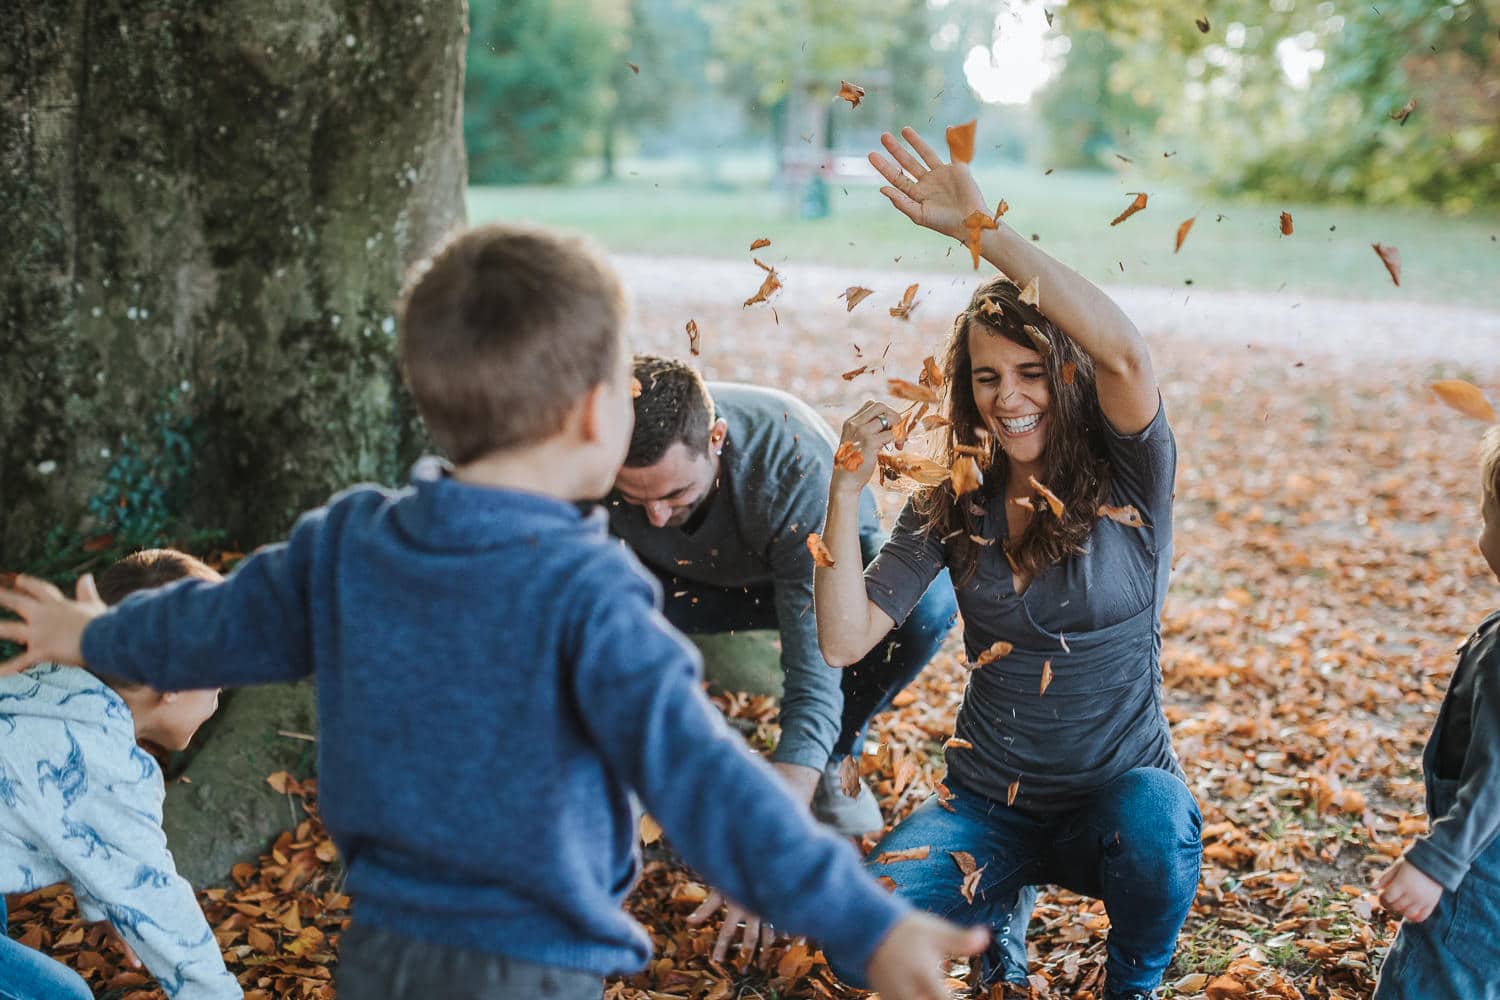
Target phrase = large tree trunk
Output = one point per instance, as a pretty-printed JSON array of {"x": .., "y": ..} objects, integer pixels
[
  {"x": 205, "y": 214},
  {"x": 208, "y": 209}
]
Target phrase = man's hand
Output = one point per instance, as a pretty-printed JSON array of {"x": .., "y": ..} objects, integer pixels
[
  {"x": 51, "y": 626},
  {"x": 802, "y": 782},
  {"x": 907, "y": 964},
  {"x": 1407, "y": 890}
]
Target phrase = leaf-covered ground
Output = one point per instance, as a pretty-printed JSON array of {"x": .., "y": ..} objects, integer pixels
[{"x": 1325, "y": 571}]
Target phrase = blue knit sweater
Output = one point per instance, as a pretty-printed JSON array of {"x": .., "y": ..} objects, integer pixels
[{"x": 494, "y": 682}]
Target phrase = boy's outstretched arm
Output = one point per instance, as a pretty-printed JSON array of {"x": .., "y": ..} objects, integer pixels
[
  {"x": 637, "y": 688},
  {"x": 51, "y": 626}
]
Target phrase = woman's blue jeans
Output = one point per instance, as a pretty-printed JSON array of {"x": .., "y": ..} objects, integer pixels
[
  {"x": 1135, "y": 846},
  {"x": 27, "y": 974}
]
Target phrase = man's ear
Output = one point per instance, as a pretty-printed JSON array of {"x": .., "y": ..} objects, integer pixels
[
  {"x": 588, "y": 413},
  {"x": 717, "y": 435}
]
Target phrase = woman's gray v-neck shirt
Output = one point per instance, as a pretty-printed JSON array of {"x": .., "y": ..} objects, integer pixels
[{"x": 1092, "y": 620}]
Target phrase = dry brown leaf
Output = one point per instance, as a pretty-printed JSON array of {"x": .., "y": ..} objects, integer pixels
[
  {"x": 1202, "y": 24},
  {"x": 1391, "y": 258},
  {"x": 1001, "y": 209},
  {"x": 965, "y": 861},
  {"x": 902, "y": 310},
  {"x": 849, "y": 776},
  {"x": 933, "y": 421},
  {"x": 821, "y": 555},
  {"x": 961, "y": 142},
  {"x": 1038, "y": 340},
  {"x": 1135, "y": 206},
  {"x": 932, "y": 375},
  {"x": 913, "y": 467},
  {"x": 909, "y": 854},
  {"x": 650, "y": 829},
  {"x": 1012, "y": 792},
  {"x": 1404, "y": 112},
  {"x": 848, "y": 457},
  {"x": 761, "y": 242},
  {"x": 1466, "y": 398},
  {"x": 1286, "y": 223},
  {"x": 970, "y": 884},
  {"x": 279, "y": 781},
  {"x": 966, "y": 475},
  {"x": 1126, "y": 515},
  {"x": 768, "y": 287},
  {"x": 887, "y": 882},
  {"x": 260, "y": 941},
  {"x": 1227, "y": 988},
  {"x": 1051, "y": 498},
  {"x": 912, "y": 391},
  {"x": 989, "y": 307},
  {"x": 636, "y": 388},
  {"x": 851, "y": 92},
  {"x": 1031, "y": 295},
  {"x": 854, "y": 373},
  {"x": 854, "y": 295},
  {"x": 954, "y": 743},
  {"x": 1046, "y": 676},
  {"x": 692, "y": 332},
  {"x": 975, "y": 223},
  {"x": 999, "y": 649},
  {"x": 1182, "y": 232}
]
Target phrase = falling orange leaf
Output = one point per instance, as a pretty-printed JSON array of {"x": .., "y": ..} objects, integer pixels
[
  {"x": 650, "y": 829},
  {"x": 762, "y": 242},
  {"x": 1404, "y": 112},
  {"x": 917, "y": 393},
  {"x": 636, "y": 388},
  {"x": 902, "y": 310},
  {"x": 913, "y": 467},
  {"x": 848, "y": 457},
  {"x": 821, "y": 555},
  {"x": 961, "y": 142},
  {"x": 1126, "y": 515},
  {"x": 966, "y": 476},
  {"x": 1031, "y": 295},
  {"x": 1001, "y": 209},
  {"x": 1182, "y": 232},
  {"x": 970, "y": 884},
  {"x": 1202, "y": 24},
  {"x": 1069, "y": 370},
  {"x": 1051, "y": 498},
  {"x": 1012, "y": 792},
  {"x": 1286, "y": 223},
  {"x": 888, "y": 882},
  {"x": 976, "y": 223},
  {"x": 768, "y": 287},
  {"x": 964, "y": 860},
  {"x": 933, "y": 421},
  {"x": 1131, "y": 209},
  {"x": 1038, "y": 340},
  {"x": 851, "y": 92},
  {"x": 909, "y": 854},
  {"x": 1046, "y": 676},
  {"x": 1466, "y": 398},
  {"x": 692, "y": 332},
  {"x": 931, "y": 374},
  {"x": 999, "y": 649},
  {"x": 1391, "y": 258},
  {"x": 854, "y": 295},
  {"x": 854, "y": 373},
  {"x": 849, "y": 777},
  {"x": 957, "y": 744}
]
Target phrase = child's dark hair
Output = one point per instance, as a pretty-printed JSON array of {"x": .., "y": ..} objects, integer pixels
[
  {"x": 148, "y": 569},
  {"x": 503, "y": 329},
  {"x": 674, "y": 405}
]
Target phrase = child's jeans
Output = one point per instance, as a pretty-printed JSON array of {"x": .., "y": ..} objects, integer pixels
[
  {"x": 27, "y": 974},
  {"x": 1455, "y": 952},
  {"x": 1136, "y": 846},
  {"x": 376, "y": 964}
]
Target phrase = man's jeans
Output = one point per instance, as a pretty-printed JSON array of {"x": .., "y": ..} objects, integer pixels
[
  {"x": 27, "y": 974},
  {"x": 1135, "y": 846},
  {"x": 1455, "y": 952},
  {"x": 376, "y": 964}
]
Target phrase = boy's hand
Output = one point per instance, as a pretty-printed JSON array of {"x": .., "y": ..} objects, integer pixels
[
  {"x": 51, "y": 626},
  {"x": 1407, "y": 890},
  {"x": 906, "y": 965}
]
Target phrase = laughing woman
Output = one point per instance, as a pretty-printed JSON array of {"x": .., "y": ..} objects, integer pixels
[{"x": 1062, "y": 770}]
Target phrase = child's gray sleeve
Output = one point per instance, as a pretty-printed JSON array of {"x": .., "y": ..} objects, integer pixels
[
  {"x": 1464, "y": 831},
  {"x": 107, "y": 833}
]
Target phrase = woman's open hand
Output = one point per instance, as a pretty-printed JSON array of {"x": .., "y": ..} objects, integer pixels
[{"x": 926, "y": 190}]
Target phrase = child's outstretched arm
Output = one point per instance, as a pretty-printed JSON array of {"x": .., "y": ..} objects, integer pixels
[
  {"x": 51, "y": 626},
  {"x": 637, "y": 686}
]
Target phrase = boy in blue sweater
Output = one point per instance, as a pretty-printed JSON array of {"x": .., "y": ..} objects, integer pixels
[
  {"x": 1447, "y": 885},
  {"x": 494, "y": 677}
]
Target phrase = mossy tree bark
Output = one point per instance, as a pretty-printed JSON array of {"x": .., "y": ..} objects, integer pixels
[{"x": 207, "y": 213}]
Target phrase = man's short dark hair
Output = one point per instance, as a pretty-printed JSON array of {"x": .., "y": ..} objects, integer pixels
[
  {"x": 148, "y": 569},
  {"x": 673, "y": 406},
  {"x": 503, "y": 330}
]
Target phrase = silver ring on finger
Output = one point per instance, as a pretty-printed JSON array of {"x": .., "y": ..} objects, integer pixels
[{"x": 885, "y": 424}]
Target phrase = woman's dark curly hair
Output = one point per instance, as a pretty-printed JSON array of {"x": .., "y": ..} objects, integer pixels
[{"x": 1074, "y": 464}]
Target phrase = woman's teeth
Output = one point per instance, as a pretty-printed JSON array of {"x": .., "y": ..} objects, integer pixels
[{"x": 1022, "y": 425}]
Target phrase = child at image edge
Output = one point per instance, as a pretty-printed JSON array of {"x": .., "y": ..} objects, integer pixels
[
  {"x": 1447, "y": 885},
  {"x": 81, "y": 803},
  {"x": 494, "y": 678}
]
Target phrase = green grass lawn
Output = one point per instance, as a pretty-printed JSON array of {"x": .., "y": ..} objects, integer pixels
[{"x": 663, "y": 209}]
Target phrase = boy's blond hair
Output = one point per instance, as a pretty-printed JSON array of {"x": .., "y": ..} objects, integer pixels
[
  {"x": 1489, "y": 463},
  {"x": 503, "y": 329}
]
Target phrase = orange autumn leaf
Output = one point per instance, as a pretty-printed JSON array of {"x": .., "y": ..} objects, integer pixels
[
  {"x": 1001, "y": 209},
  {"x": 693, "y": 341},
  {"x": 1126, "y": 515},
  {"x": 1069, "y": 370},
  {"x": 1466, "y": 398},
  {"x": 933, "y": 421},
  {"x": 1404, "y": 112},
  {"x": 821, "y": 555},
  {"x": 999, "y": 649},
  {"x": 1286, "y": 223},
  {"x": 966, "y": 475},
  {"x": 954, "y": 743},
  {"x": 965, "y": 861},
  {"x": 989, "y": 307},
  {"x": 279, "y": 781},
  {"x": 976, "y": 223},
  {"x": 902, "y": 310},
  {"x": 1031, "y": 295},
  {"x": 848, "y": 457},
  {"x": 1046, "y": 676},
  {"x": 854, "y": 373},
  {"x": 849, "y": 777},
  {"x": 1038, "y": 340},
  {"x": 768, "y": 287},
  {"x": 650, "y": 829},
  {"x": 909, "y": 854},
  {"x": 762, "y": 242},
  {"x": 887, "y": 882},
  {"x": 854, "y": 295},
  {"x": 636, "y": 388},
  {"x": 851, "y": 92},
  {"x": 1131, "y": 209},
  {"x": 978, "y": 451},
  {"x": 912, "y": 391},
  {"x": 1391, "y": 258},
  {"x": 931, "y": 375},
  {"x": 961, "y": 142},
  {"x": 919, "y": 470},
  {"x": 1048, "y": 495},
  {"x": 260, "y": 941},
  {"x": 970, "y": 884},
  {"x": 1227, "y": 988},
  {"x": 1182, "y": 232},
  {"x": 1012, "y": 792}
]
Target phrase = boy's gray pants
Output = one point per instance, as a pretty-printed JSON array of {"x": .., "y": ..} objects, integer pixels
[{"x": 375, "y": 964}]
